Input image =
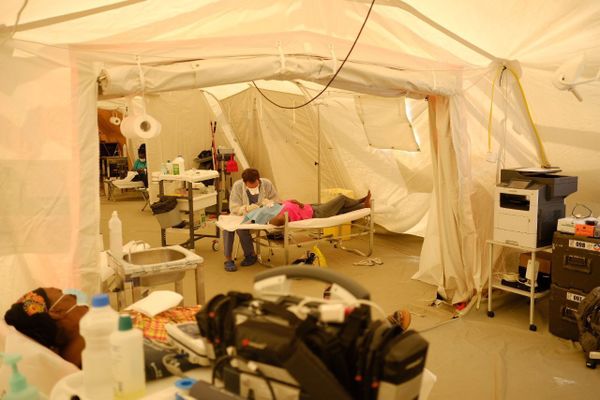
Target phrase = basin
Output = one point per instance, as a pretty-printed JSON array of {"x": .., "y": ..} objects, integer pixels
[
  {"x": 159, "y": 266},
  {"x": 154, "y": 256}
]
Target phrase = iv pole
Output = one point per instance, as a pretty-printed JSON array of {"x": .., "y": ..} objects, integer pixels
[{"x": 318, "y": 154}]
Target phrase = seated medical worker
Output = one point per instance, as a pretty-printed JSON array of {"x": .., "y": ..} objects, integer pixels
[
  {"x": 140, "y": 166},
  {"x": 338, "y": 205},
  {"x": 51, "y": 317},
  {"x": 247, "y": 194}
]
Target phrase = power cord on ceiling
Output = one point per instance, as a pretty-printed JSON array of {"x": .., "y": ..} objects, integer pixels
[{"x": 332, "y": 78}]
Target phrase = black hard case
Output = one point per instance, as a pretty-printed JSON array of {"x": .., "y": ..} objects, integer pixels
[
  {"x": 575, "y": 261},
  {"x": 563, "y": 311}
]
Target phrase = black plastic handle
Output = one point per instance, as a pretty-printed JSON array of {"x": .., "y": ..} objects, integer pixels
[{"x": 317, "y": 274}]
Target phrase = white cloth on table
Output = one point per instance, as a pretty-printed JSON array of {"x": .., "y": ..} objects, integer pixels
[{"x": 127, "y": 183}]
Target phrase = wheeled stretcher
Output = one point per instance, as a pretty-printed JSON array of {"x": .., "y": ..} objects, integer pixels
[{"x": 307, "y": 232}]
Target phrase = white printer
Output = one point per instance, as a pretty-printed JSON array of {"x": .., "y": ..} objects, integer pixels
[{"x": 528, "y": 204}]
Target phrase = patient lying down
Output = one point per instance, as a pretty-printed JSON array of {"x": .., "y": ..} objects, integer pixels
[
  {"x": 338, "y": 205},
  {"x": 51, "y": 317}
]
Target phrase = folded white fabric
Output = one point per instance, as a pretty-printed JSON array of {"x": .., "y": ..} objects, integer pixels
[
  {"x": 135, "y": 245},
  {"x": 156, "y": 302}
]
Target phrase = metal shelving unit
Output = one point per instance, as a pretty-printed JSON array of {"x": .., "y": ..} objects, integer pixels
[
  {"x": 496, "y": 284},
  {"x": 189, "y": 180}
]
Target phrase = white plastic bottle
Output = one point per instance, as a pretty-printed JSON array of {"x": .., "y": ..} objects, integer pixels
[
  {"x": 179, "y": 163},
  {"x": 116, "y": 236},
  {"x": 127, "y": 353},
  {"x": 96, "y": 327}
]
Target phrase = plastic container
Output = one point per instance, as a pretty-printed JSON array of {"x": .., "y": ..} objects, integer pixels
[
  {"x": 127, "y": 353},
  {"x": 166, "y": 212},
  {"x": 116, "y": 236},
  {"x": 179, "y": 165},
  {"x": 96, "y": 327},
  {"x": 169, "y": 166},
  {"x": 18, "y": 389}
]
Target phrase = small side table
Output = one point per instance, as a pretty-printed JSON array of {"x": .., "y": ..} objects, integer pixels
[{"x": 493, "y": 283}]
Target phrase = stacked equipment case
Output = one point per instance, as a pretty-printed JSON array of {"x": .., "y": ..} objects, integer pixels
[{"x": 575, "y": 272}]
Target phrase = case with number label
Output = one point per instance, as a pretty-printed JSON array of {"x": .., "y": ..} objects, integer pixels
[
  {"x": 563, "y": 311},
  {"x": 575, "y": 261}
]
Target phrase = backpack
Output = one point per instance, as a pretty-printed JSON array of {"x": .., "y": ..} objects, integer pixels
[{"x": 588, "y": 324}]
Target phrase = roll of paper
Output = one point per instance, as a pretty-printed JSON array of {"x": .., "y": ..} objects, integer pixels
[{"x": 142, "y": 126}]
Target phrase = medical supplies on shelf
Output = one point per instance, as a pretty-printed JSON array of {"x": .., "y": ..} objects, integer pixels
[{"x": 192, "y": 201}]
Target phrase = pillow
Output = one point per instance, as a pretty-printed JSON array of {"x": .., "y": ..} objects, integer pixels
[
  {"x": 41, "y": 366},
  {"x": 156, "y": 302}
]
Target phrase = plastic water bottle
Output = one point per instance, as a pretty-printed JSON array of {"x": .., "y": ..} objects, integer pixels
[
  {"x": 96, "y": 327},
  {"x": 116, "y": 236},
  {"x": 127, "y": 353},
  {"x": 179, "y": 164}
]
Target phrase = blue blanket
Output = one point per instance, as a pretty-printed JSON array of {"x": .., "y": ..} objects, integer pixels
[{"x": 262, "y": 215}]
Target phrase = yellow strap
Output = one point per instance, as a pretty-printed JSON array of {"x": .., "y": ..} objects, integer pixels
[
  {"x": 542, "y": 152},
  {"x": 544, "y": 160},
  {"x": 320, "y": 257}
]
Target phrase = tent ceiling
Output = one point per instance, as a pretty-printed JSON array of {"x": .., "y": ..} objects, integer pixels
[{"x": 511, "y": 29}]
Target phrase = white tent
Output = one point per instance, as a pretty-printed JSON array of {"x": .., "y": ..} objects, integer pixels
[{"x": 55, "y": 56}]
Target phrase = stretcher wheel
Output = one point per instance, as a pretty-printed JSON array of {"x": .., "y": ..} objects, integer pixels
[
  {"x": 532, "y": 327},
  {"x": 591, "y": 364},
  {"x": 216, "y": 245},
  {"x": 490, "y": 314}
]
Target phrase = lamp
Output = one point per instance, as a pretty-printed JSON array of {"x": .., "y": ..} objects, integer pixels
[{"x": 568, "y": 76}]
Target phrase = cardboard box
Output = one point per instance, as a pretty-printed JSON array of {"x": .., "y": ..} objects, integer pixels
[{"x": 544, "y": 260}]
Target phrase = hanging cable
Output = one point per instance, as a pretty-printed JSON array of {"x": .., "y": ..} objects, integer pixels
[
  {"x": 542, "y": 152},
  {"x": 332, "y": 78}
]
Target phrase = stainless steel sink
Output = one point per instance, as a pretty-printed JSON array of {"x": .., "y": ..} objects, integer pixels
[
  {"x": 154, "y": 256},
  {"x": 159, "y": 266}
]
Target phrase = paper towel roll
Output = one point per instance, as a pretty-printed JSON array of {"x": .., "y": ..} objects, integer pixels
[{"x": 143, "y": 126}]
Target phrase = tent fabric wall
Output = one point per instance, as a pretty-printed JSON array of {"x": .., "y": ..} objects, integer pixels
[
  {"x": 49, "y": 162},
  {"x": 397, "y": 54}
]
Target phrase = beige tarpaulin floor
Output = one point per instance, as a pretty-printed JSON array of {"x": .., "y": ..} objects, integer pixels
[{"x": 473, "y": 357}]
